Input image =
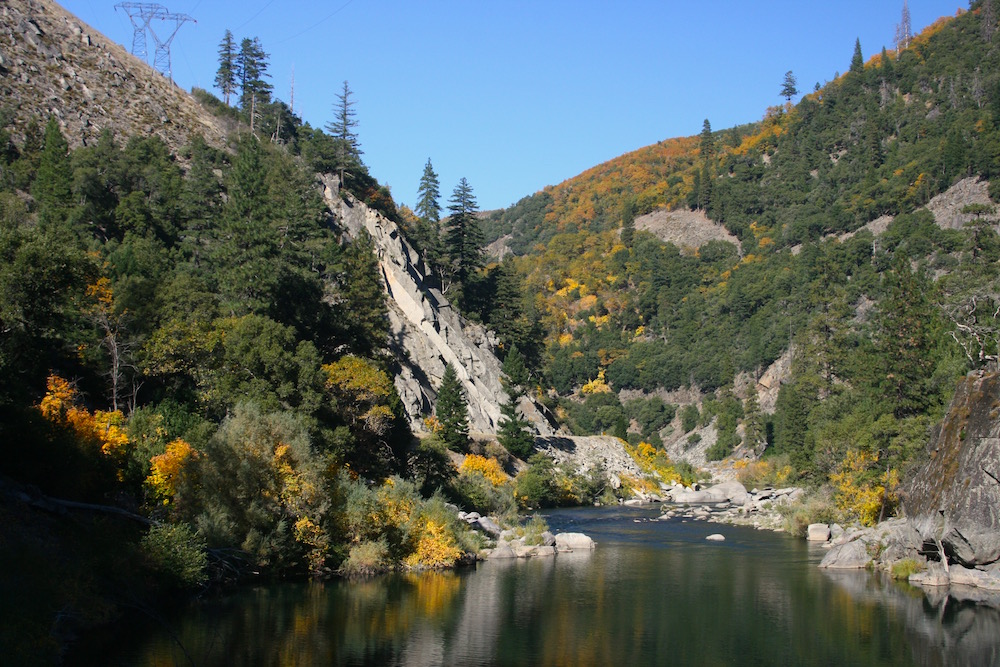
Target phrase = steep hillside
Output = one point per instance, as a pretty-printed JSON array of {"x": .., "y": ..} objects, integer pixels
[
  {"x": 852, "y": 236},
  {"x": 51, "y": 63}
]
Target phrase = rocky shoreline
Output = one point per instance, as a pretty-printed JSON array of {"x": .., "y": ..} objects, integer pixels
[
  {"x": 726, "y": 503},
  {"x": 508, "y": 543}
]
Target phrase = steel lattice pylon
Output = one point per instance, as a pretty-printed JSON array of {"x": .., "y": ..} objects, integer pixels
[
  {"x": 161, "y": 61},
  {"x": 142, "y": 14}
]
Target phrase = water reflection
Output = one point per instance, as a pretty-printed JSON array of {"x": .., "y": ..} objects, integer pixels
[
  {"x": 651, "y": 593},
  {"x": 956, "y": 626}
]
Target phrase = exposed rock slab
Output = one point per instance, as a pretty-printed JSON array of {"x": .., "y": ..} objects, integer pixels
[
  {"x": 426, "y": 332},
  {"x": 585, "y": 452},
  {"x": 685, "y": 229},
  {"x": 947, "y": 206}
]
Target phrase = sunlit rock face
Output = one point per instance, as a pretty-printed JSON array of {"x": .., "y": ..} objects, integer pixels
[{"x": 426, "y": 332}]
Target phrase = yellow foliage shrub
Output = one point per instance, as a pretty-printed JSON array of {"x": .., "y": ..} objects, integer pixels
[
  {"x": 862, "y": 490},
  {"x": 487, "y": 467},
  {"x": 597, "y": 385},
  {"x": 653, "y": 461},
  {"x": 165, "y": 470},
  {"x": 104, "y": 430},
  {"x": 436, "y": 546}
]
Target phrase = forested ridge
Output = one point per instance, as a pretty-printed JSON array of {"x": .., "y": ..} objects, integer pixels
[
  {"x": 187, "y": 339},
  {"x": 881, "y": 320}
]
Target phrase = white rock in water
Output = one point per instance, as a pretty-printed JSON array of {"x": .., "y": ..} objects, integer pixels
[
  {"x": 573, "y": 542},
  {"x": 716, "y": 537},
  {"x": 818, "y": 532}
]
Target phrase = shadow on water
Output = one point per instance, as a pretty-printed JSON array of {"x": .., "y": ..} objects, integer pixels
[{"x": 653, "y": 592}]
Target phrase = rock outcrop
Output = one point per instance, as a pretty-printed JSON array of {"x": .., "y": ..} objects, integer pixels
[
  {"x": 54, "y": 64},
  {"x": 954, "y": 498},
  {"x": 426, "y": 332},
  {"x": 952, "y": 502}
]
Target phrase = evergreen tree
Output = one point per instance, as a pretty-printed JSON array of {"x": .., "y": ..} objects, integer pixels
[
  {"x": 463, "y": 242},
  {"x": 429, "y": 195},
  {"x": 428, "y": 227},
  {"x": 251, "y": 72},
  {"x": 225, "y": 76},
  {"x": 706, "y": 142},
  {"x": 452, "y": 411},
  {"x": 247, "y": 247},
  {"x": 362, "y": 297},
  {"x": 753, "y": 421},
  {"x": 342, "y": 128},
  {"x": 52, "y": 187},
  {"x": 513, "y": 433},
  {"x": 628, "y": 221},
  {"x": 516, "y": 372},
  {"x": 904, "y": 340},
  {"x": 788, "y": 87},
  {"x": 858, "y": 59}
]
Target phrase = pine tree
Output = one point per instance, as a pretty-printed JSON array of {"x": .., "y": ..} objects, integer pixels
[
  {"x": 463, "y": 242},
  {"x": 629, "y": 208},
  {"x": 247, "y": 246},
  {"x": 363, "y": 297},
  {"x": 251, "y": 72},
  {"x": 753, "y": 421},
  {"x": 429, "y": 193},
  {"x": 516, "y": 376},
  {"x": 342, "y": 128},
  {"x": 225, "y": 76},
  {"x": 52, "y": 187},
  {"x": 858, "y": 59},
  {"x": 513, "y": 433},
  {"x": 904, "y": 340},
  {"x": 707, "y": 142},
  {"x": 788, "y": 87},
  {"x": 452, "y": 411}
]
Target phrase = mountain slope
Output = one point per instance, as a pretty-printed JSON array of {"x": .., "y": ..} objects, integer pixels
[{"x": 52, "y": 63}]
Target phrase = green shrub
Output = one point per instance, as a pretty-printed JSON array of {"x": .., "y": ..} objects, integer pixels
[
  {"x": 367, "y": 558},
  {"x": 902, "y": 569},
  {"x": 176, "y": 552},
  {"x": 689, "y": 417}
]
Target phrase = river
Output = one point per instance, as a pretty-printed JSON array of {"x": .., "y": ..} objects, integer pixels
[{"x": 651, "y": 593}]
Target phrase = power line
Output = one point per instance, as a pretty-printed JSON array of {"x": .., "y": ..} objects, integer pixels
[
  {"x": 259, "y": 12},
  {"x": 318, "y": 23}
]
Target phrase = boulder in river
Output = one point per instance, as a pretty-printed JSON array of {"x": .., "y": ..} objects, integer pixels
[{"x": 573, "y": 542}]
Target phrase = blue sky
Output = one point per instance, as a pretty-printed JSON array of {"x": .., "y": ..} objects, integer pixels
[{"x": 518, "y": 95}]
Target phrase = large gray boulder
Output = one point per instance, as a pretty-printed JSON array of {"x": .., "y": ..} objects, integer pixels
[
  {"x": 848, "y": 556},
  {"x": 818, "y": 532},
  {"x": 573, "y": 542}
]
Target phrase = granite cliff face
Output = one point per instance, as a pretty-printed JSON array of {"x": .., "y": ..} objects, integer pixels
[
  {"x": 426, "y": 332},
  {"x": 53, "y": 64},
  {"x": 955, "y": 496}
]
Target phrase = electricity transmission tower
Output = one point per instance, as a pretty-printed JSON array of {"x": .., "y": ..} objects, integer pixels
[
  {"x": 161, "y": 61},
  {"x": 142, "y": 14}
]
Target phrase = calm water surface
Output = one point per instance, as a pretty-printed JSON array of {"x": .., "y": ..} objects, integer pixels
[{"x": 652, "y": 593}]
